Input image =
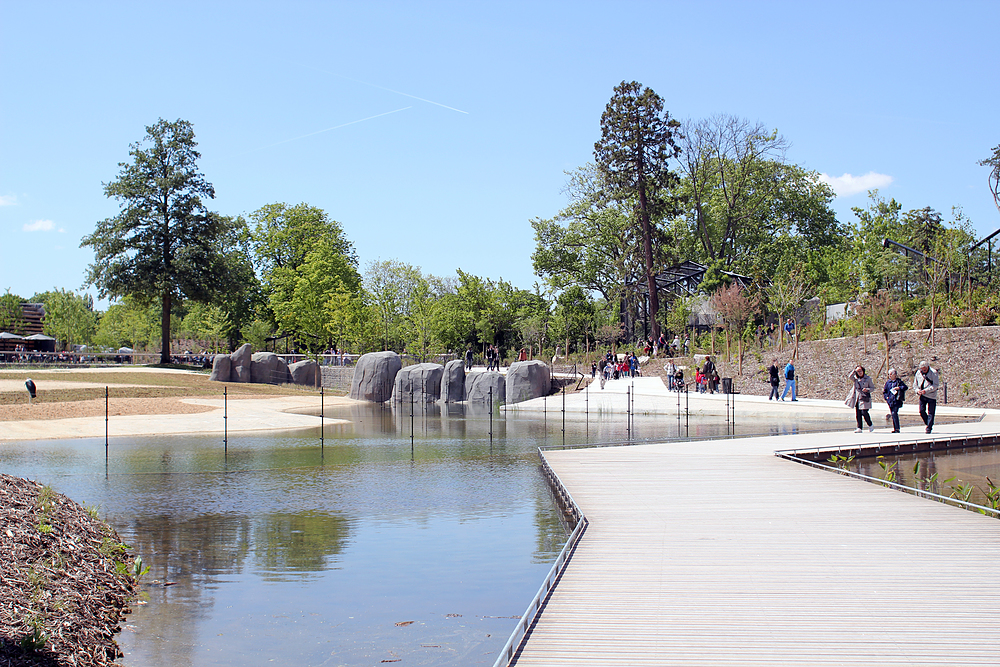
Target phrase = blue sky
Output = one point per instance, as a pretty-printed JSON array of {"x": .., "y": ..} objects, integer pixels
[{"x": 434, "y": 132}]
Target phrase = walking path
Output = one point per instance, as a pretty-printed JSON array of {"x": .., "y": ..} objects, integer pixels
[
  {"x": 719, "y": 553},
  {"x": 651, "y": 396}
]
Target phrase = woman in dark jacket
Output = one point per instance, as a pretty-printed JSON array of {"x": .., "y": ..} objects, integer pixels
[{"x": 894, "y": 393}]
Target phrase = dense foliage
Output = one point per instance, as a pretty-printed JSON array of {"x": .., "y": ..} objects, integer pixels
[{"x": 717, "y": 191}]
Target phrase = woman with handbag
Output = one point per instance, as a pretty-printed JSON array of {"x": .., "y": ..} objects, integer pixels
[{"x": 860, "y": 397}]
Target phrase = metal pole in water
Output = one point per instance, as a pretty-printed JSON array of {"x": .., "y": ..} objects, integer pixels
[
  {"x": 491, "y": 418},
  {"x": 687, "y": 409},
  {"x": 321, "y": 408},
  {"x": 564, "y": 415},
  {"x": 628, "y": 420},
  {"x": 411, "y": 421},
  {"x": 225, "y": 420},
  {"x": 105, "y": 427}
]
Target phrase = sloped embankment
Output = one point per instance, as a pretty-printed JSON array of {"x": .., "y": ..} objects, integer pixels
[{"x": 65, "y": 580}]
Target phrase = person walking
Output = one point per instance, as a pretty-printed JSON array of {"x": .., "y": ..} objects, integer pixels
[
  {"x": 860, "y": 397},
  {"x": 789, "y": 381},
  {"x": 894, "y": 394},
  {"x": 468, "y": 359},
  {"x": 671, "y": 370},
  {"x": 709, "y": 372},
  {"x": 772, "y": 370},
  {"x": 926, "y": 382}
]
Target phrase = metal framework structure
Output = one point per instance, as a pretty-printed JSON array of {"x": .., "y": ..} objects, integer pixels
[{"x": 680, "y": 280}]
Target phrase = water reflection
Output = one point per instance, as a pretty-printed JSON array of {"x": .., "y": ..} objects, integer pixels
[
  {"x": 284, "y": 549},
  {"x": 941, "y": 472}
]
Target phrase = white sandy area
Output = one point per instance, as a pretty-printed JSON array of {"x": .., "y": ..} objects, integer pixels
[{"x": 246, "y": 414}]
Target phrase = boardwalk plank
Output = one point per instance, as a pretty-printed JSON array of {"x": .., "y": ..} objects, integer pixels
[{"x": 719, "y": 553}]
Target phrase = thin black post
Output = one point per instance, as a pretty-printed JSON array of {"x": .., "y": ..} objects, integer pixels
[
  {"x": 687, "y": 409},
  {"x": 491, "y": 418},
  {"x": 411, "y": 421},
  {"x": 587, "y": 409},
  {"x": 628, "y": 420},
  {"x": 225, "y": 420},
  {"x": 564, "y": 415},
  {"x": 105, "y": 428},
  {"x": 321, "y": 408}
]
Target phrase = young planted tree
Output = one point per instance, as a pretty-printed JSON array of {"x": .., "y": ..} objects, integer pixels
[
  {"x": 163, "y": 245},
  {"x": 885, "y": 313},
  {"x": 637, "y": 142},
  {"x": 736, "y": 307},
  {"x": 784, "y": 295}
]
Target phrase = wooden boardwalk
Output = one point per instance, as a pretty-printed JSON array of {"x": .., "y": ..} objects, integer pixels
[{"x": 719, "y": 553}]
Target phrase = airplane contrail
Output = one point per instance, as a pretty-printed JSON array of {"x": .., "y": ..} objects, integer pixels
[
  {"x": 335, "y": 127},
  {"x": 375, "y": 85}
]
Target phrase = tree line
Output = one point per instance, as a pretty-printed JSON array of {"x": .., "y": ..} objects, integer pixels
[{"x": 718, "y": 191}]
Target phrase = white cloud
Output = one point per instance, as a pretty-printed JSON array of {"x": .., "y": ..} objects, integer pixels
[
  {"x": 8, "y": 200},
  {"x": 848, "y": 185},
  {"x": 39, "y": 226}
]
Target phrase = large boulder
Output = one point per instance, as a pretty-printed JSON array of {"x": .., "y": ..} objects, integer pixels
[
  {"x": 222, "y": 366},
  {"x": 268, "y": 368},
  {"x": 453, "y": 381},
  {"x": 240, "y": 364},
  {"x": 305, "y": 372},
  {"x": 478, "y": 385},
  {"x": 527, "y": 380},
  {"x": 421, "y": 381},
  {"x": 374, "y": 376}
]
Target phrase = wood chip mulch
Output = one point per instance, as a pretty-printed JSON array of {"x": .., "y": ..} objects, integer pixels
[{"x": 65, "y": 582}]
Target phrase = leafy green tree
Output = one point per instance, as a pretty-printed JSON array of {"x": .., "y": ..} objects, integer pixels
[
  {"x": 874, "y": 266},
  {"x": 11, "y": 314},
  {"x": 637, "y": 143},
  {"x": 163, "y": 245},
  {"x": 921, "y": 228},
  {"x": 574, "y": 315},
  {"x": 592, "y": 242},
  {"x": 732, "y": 174},
  {"x": 129, "y": 322},
  {"x": 324, "y": 273},
  {"x": 390, "y": 285},
  {"x": 69, "y": 317},
  {"x": 281, "y": 239}
]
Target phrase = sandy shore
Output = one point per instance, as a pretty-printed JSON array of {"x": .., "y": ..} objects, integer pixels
[{"x": 169, "y": 416}]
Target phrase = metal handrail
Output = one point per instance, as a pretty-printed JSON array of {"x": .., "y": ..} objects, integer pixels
[
  {"x": 896, "y": 446},
  {"x": 509, "y": 649},
  {"x": 895, "y": 485}
]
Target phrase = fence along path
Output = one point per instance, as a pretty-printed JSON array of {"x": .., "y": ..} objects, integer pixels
[{"x": 719, "y": 553}]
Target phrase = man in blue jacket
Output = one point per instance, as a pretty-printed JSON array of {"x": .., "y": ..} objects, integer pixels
[{"x": 789, "y": 381}]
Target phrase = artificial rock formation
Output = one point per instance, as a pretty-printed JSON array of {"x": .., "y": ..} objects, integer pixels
[
  {"x": 222, "y": 368},
  {"x": 268, "y": 368},
  {"x": 240, "y": 366},
  {"x": 374, "y": 376},
  {"x": 453, "y": 381},
  {"x": 478, "y": 385},
  {"x": 527, "y": 380},
  {"x": 422, "y": 382},
  {"x": 305, "y": 372}
]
